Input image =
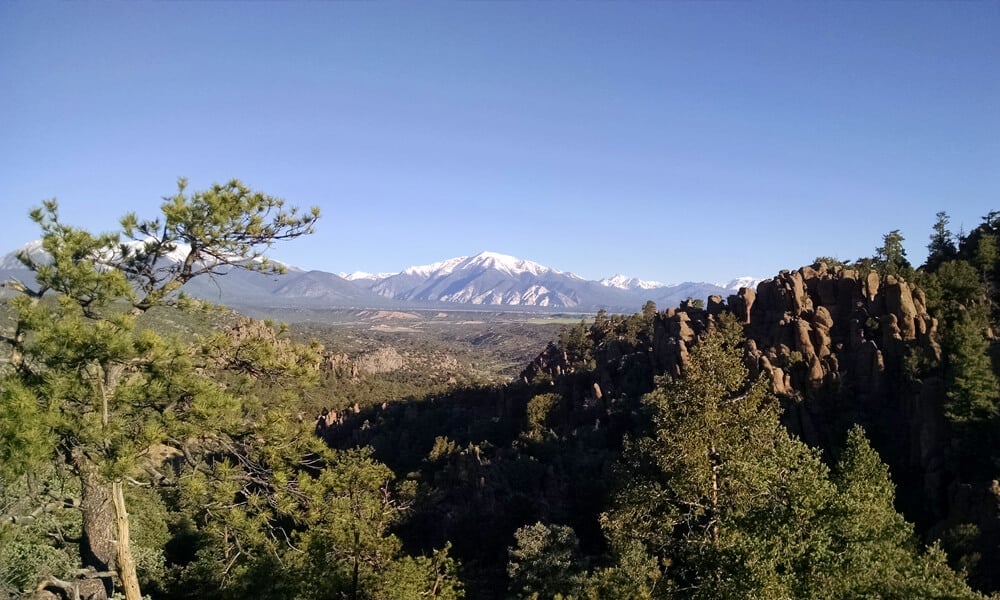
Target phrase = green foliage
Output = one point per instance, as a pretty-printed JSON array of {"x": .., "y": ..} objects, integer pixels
[
  {"x": 890, "y": 257},
  {"x": 953, "y": 288},
  {"x": 943, "y": 246},
  {"x": 76, "y": 266},
  {"x": 226, "y": 226},
  {"x": 34, "y": 513},
  {"x": 649, "y": 310},
  {"x": 958, "y": 296},
  {"x": 727, "y": 505},
  {"x": 25, "y": 557},
  {"x": 962, "y": 544},
  {"x": 874, "y": 551},
  {"x": 149, "y": 533},
  {"x": 634, "y": 575},
  {"x": 979, "y": 248},
  {"x": 544, "y": 563},
  {"x": 729, "y": 491},
  {"x": 542, "y": 413},
  {"x": 986, "y": 254},
  {"x": 87, "y": 381},
  {"x": 291, "y": 518},
  {"x": 26, "y": 439},
  {"x": 973, "y": 392},
  {"x": 579, "y": 347}
]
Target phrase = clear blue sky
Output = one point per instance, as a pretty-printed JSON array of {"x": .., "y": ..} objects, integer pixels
[{"x": 666, "y": 140}]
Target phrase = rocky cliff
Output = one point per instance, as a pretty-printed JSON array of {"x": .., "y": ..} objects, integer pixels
[{"x": 839, "y": 347}]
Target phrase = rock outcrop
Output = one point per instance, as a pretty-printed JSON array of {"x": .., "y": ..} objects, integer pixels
[
  {"x": 383, "y": 360},
  {"x": 834, "y": 344}
]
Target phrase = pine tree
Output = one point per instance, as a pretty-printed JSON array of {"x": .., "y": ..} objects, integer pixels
[
  {"x": 100, "y": 391},
  {"x": 942, "y": 247},
  {"x": 318, "y": 527},
  {"x": 973, "y": 392},
  {"x": 718, "y": 501},
  {"x": 890, "y": 257},
  {"x": 544, "y": 562},
  {"x": 722, "y": 497},
  {"x": 874, "y": 553}
]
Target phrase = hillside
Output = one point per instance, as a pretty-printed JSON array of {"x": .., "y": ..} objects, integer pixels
[
  {"x": 867, "y": 344},
  {"x": 843, "y": 410}
]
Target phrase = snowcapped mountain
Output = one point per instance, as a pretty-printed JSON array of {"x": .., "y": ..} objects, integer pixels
[
  {"x": 110, "y": 255},
  {"x": 624, "y": 282},
  {"x": 32, "y": 249},
  {"x": 488, "y": 279},
  {"x": 229, "y": 285},
  {"x": 503, "y": 263}
]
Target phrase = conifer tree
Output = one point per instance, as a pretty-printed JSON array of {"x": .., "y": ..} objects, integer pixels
[
  {"x": 873, "y": 550},
  {"x": 544, "y": 562},
  {"x": 718, "y": 501},
  {"x": 98, "y": 391},
  {"x": 890, "y": 257},
  {"x": 942, "y": 247},
  {"x": 723, "y": 497}
]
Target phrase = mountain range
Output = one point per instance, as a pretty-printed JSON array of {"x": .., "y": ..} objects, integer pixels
[{"x": 486, "y": 280}]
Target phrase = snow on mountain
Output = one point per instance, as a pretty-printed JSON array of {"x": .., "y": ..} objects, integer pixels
[
  {"x": 32, "y": 249},
  {"x": 486, "y": 279},
  {"x": 177, "y": 255},
  {"x": 741, "y": 282},
  {"x": 444, "y": 267},
  {"x": 114, "y": 254},
  {"x": 534, "y": 295},
  {"x": 624, "y": 282},
  {"x": 364, "y": 276},
  {"x": 504, "y": 263}
]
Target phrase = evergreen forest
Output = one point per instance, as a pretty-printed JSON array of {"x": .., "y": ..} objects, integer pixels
[{"x": 832, "y": 434}]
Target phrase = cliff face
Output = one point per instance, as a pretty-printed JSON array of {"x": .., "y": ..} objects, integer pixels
[{"x": 842, "y": 348}]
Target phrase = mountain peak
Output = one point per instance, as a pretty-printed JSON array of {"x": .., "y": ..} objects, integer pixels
[
  {"x": 32, "y": 249},
  {"x": 443, "y": 267},
  {"x": 624, "y": 282},
  {"x": 505, "y": 263},
  {"x": 487, "y": 278}
]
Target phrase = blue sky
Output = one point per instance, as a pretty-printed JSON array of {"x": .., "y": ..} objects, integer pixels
[{"x": 666, "y": 140}]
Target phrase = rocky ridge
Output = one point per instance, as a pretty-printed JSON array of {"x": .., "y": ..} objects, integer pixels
[{"x": 838, "y": 346}]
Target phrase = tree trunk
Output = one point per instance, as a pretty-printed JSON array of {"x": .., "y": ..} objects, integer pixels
[
  {"x": 126, "y": 564},
  {"x": 105, "y": 520},
  {"x": 97, "y": 548},
  {"x": 713, "y": 458},
  {"x": 357, "y": 562}
]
